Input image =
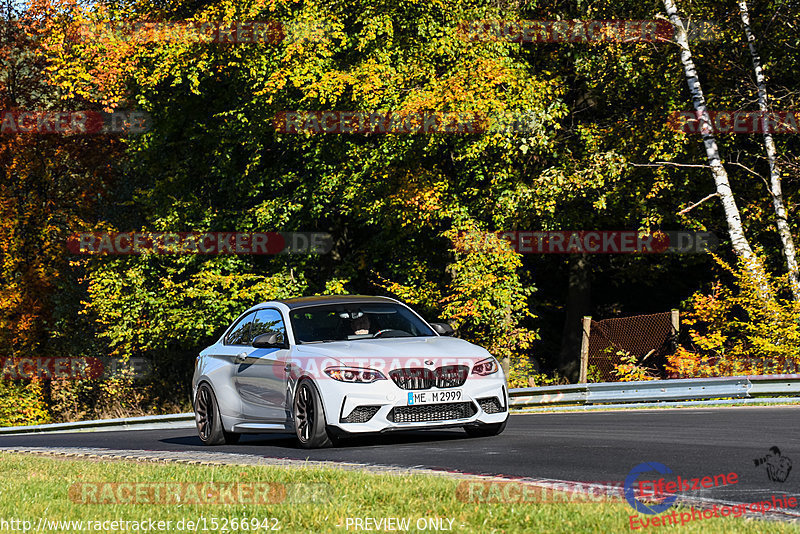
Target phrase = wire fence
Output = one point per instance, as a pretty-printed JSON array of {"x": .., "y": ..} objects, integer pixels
[{"x": 650, "y": 338}]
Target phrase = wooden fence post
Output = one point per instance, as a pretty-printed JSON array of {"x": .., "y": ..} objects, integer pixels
[
  {"x": 587, "y": 325},
  {"x": 675, "y": 321}
]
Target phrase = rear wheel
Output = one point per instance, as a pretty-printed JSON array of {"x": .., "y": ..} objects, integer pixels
[
  {"x": 209, "y": 422},
  {"x": 483, "y": 431},
  {"x": 309, "y": 417}
]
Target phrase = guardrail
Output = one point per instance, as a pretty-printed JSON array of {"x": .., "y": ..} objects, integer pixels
[
  {"x": 122, "y": 423},
  {"x": 597, "y": 394},
  {"x": 653, "y": 391}
]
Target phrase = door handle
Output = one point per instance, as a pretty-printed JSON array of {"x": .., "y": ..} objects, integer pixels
[{"x": 242, "y": 356}]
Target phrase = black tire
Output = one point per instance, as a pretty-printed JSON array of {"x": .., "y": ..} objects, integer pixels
[
  {"x": 309, "y": 417},
  {"x": 483, "y": 431},
  {"x": 209, "y": 423}
]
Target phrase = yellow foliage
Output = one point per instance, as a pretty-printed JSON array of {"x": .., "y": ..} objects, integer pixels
[{"x": 736, "y": 331}]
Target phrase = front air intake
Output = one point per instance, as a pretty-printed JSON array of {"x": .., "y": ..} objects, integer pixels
[
  {"x": 432, "y": 412},
  {"x": 361, "y": 414},
  {"x": 491, "y": 405}
]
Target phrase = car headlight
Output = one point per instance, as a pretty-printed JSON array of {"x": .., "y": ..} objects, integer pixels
[
  {"x": 354, "y": 374},
  {"x": 486, "y": 367}
]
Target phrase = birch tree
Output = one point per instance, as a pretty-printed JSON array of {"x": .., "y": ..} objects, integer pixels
[
  {"x": 774, "y": 185},
  {"x": 733, "y": 218}
]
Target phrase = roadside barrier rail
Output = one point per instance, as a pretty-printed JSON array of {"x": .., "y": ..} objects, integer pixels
[
  {"x": 653, "y": 391},
  {"x": 94, "y": 424},
  {"x": 771, "y": 388}
]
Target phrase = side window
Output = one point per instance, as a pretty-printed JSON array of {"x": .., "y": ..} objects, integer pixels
[
  {"x": 266, "y": 322},
  {"x": 240, "y": 335}
]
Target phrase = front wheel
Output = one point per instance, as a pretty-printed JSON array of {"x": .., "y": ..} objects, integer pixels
[
  {"x": 209, "y": 422},
  {"x": 309, "y": 418},
  {"x": 483, "y": 431}
]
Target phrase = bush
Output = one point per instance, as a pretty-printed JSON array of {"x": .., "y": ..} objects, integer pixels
[
  {"x": 542, "y": 379},
  {"x": 520, "y": 372},
  {"x": 736, "y": 331},
  {"x": 22, "y": 403},
  {"x": 631, "y": 369}
]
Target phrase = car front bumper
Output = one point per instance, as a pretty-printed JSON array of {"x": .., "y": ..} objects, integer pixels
[{"x": 383, "y": 406}]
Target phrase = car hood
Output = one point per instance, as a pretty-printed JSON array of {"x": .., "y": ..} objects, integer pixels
[{"x": 392, "y": 353}]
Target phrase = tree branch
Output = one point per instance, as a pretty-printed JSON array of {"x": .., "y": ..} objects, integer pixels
[
  {"x": 693, "y": 206},
  {"x": 670, "y": 164},
  {"x": 754, "y": 173}
]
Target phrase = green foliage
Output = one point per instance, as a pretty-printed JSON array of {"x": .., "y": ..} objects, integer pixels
[
  {"x": 411, "y": 215},
  {"x": 154, "y": 305},
  {"x": 541, "y": 379},
  {"x": 632, "y": 369},
  {"x": 118, "y": 395},
  {"x": 486, "y": 299},
  {"x": 593, "y": 374},
  {"x": 520, "y": 372}
]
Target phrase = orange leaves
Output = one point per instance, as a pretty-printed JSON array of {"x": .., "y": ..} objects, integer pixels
[{"x": 48, "y": 187}]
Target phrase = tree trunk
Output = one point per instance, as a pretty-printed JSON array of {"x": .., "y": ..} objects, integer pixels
[
  {"x": 732, "y": 216},
  {"x": 578, "y": 304},
  {"x": 774, "y": 188}
]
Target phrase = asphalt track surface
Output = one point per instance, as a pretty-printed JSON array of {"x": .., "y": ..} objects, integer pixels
[{"x": 586, "y": 447}]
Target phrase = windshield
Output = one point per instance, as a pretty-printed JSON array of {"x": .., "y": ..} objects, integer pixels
[{"x": 345, "y": 322}]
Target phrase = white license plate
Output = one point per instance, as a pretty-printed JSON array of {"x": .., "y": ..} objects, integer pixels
[{"x": 434, "y": 397}]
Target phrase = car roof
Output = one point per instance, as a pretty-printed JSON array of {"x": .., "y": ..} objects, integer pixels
[{"x": 302, "y": 302}]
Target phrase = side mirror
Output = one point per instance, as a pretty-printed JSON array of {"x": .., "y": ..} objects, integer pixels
[
  {"x": 443, "y": 329},
  {"x": 269, "y": 341}
]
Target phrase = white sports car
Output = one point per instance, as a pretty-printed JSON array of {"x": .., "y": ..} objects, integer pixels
[{"x": 331, "y": 366}]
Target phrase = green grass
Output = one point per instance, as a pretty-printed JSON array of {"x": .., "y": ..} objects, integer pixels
[{"x": 35, "y": 486}]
